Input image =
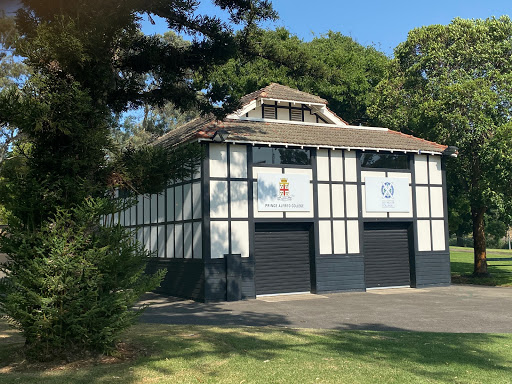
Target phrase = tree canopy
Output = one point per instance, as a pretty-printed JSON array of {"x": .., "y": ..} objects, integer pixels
[
  {"x": 332, "y": 66},
  {"x": 452, "y": 84}
]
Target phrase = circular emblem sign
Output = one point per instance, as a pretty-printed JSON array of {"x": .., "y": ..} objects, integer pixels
[{"x": 387, "y": 190}]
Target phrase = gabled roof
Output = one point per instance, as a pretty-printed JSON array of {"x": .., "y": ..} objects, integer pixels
[
  {"x": 296, "y": 133},
  {"x": 282, "y": 92}
]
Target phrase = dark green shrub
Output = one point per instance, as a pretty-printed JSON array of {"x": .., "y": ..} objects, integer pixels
[{"x": 70, "y": 285}]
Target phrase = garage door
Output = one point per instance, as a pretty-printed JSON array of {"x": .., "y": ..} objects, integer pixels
[
  {"x": 386, "y": 255},
  {"x": 281, "y": 256}
]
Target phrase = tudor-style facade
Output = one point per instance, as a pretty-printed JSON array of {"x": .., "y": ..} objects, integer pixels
[{"x": 291, "y": 198}]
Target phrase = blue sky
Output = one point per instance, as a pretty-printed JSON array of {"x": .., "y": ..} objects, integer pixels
[{"x": 383, "y": 24}]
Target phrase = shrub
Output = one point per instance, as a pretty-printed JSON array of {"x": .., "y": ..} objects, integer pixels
[{"x": 70, "y": 285}]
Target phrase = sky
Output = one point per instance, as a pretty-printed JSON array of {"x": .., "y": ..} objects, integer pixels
[{"x": 383, "y": 24}]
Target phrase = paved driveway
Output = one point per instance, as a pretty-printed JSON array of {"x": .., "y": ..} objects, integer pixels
[{"x": 457, "y": 308}]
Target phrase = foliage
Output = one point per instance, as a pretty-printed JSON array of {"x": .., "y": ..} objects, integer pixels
[
  {"x": 451, "y": 83},
  {"x": 91, "y": 62},
  {"x": 71, "y": 282},
  {"x": 12, "y": 72},
  {"x": 332, "y": 66}
]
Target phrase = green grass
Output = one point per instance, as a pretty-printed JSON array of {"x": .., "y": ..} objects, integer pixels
[
  {"x": 198, "y": 354},
  {"x": 462, "y": 267}
]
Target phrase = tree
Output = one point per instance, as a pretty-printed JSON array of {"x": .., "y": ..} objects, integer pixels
[
  {"x": 452, "y": 84},
  {"x": 12, "y": 72},
  {"x": 333, "y": 66},
  {"x": 90, "y": 63}
]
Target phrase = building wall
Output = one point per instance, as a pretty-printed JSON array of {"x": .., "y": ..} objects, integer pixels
[
  {"x": 338, "y": 213},
  {"x": 342, "y": 214},
  {"x": 169, "y": 224}
]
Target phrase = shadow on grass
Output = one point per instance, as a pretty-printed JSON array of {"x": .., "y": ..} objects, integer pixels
[
  {"x": 501, "y": 275},
  {"x": 423, "y": 354}
]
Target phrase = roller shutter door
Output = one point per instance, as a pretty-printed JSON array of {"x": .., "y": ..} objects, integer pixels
[
  {"x": 281, "y": 261},
  {"x": 386, "y": 256}
]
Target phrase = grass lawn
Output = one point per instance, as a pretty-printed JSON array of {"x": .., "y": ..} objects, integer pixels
[
  {"x": 198, "y": 354},
  {"x": 462, "y": 267}
]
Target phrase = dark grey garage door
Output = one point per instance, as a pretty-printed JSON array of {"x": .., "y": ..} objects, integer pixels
[
  {"x": 281, "y": 260},
  {"x": 386, "y": 255}
]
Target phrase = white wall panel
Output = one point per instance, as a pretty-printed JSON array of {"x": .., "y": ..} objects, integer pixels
[
  {"x": 436, "y": 201},
  {"x": 255, "y": 112},
  {"x": 322, "y": 164},
  {"x": 438, "y": 235},
  {"x": 283, "y": 114},
  {"x": 422, "y": 202},
  {"x": 218, "y": 160},
  {"x": 170, "y": 204},
  {"x": 424, "y": 243},
  {"x": 434, "y": 167},
  {"x": 238, "y": 161},
  {"x": 140, "y": 236},
  {"x": 324, "y": 200},
  {"x": 198, "y": 241},
  {"x": 338, "y": 201},
  {"x": 197, "y": 172},
  {"x": 352, "y": 207},
  {"x": 258, "y": 170},
  {"x": 365, "y": 174},
  {"x": 299, "y": 171},
  {"x": 404, "y": 214},
  {"x": 178, "y": 203},
  {"x": 350, "y": 166},
  {"x": 401, "y": 175},
  {"x": 140, "y": 209},
  {"x": 309, "y": 118},
  {"x": 196, "y": 200},
  {"x": 116, "y": 218},
  {"x": 161, "y": 241},
  {"x": 368, "y": 214},
  {"x": 218, "y": 199},
  {"x": 170, "y": 240},
  {"x": 154, "y": 239},
  {"x": 147, "y": 238},
  {"x": 353, "y": 236},
  {"x": 219, "y": 239},
  {"x": 240, "y": 238},
  {"x": 338, "y": 228},
  {"x": 420, "y": 169},
  {"x": 239, "y": 199},
  {"x": 337, "y": 165},
  {"x": 258, "y": 214},
  {"x": 178, "y": 241},
  {"x": 133, "y": 215},
  {"x": 161, "y": 207},
  {"x": 154, "y": 208},
  {"x": 325, "y": 241},
  {"x": 147, "y": 209},
  {"x": 187, "y": 202},
  {"x": 187, "y": 235}
]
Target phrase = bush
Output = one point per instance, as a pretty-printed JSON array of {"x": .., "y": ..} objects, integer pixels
[{"x": 71, "y": 285}]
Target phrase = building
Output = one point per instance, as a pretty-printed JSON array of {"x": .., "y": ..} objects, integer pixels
[{"x": 291, "y": 198}]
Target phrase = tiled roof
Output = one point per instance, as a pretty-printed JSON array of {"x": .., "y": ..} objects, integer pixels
[
  {"x": 282, "y": 92},
  {"x": 300, "y": 134}
]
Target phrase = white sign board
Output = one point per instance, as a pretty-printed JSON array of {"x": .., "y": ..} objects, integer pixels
[
  {"x": 387, "y": 194},
  {"x": 284, "y": 193}
]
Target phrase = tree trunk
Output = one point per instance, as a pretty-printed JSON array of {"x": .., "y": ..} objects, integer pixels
[
  {"x": 480, "y": 269},
  {"x": 460, "y": 240}
]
